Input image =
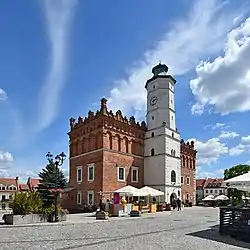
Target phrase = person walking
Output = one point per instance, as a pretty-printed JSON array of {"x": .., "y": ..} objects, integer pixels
[{"x": 178, "y": 204}]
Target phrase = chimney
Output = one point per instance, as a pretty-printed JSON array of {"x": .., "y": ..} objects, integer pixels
[{"x": 17, "y": 183}]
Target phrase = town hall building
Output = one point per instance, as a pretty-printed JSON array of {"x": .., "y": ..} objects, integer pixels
[{"x": 109, "y": 151}]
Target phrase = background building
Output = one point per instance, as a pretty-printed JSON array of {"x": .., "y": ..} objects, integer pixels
[
  {"x": 109, "y": 151},
  {"x": 8, "y": 187},
  {"x": 209, "y": 186}
]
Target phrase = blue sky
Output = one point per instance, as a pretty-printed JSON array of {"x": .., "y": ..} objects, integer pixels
[{"x": 59, "y": 58}]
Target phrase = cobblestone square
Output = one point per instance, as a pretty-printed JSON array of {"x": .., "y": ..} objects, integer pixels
[{"x": 192, "y": 228}]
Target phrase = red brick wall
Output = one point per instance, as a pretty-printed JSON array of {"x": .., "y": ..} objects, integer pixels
[
  {"x": 96, "y": 185},
  {"x": 111, "y": 162},
  {"x": 188, "y": 169}
]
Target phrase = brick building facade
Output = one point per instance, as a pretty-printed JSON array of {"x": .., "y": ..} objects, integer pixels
[
  {"x": 188, "y": 171},
  {"x": 107, "y": 153}
]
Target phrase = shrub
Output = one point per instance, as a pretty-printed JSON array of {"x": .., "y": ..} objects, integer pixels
[{"x": 28, "y": 203}]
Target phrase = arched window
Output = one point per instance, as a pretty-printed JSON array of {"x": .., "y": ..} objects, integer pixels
[
  {"x": 187, "y": 163},
  {"x": 152, "y": 152},
  {"x": 153, "y": 134},
  {"x": 174, "y": 153},
  {"x": 183, "y": 161},
  {"x": 173, "y": 176},
  {"x": 172, "y": 134},
  {"x": 171, "y": 151}
]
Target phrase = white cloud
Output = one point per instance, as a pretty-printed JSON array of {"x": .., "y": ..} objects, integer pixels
[
  {"x": 181, "y": 48},
  {"x": 209, "y": 173},
  {"x": 224, "y": 83},
  {"x": 228, "y": 135},
  {"x": 248, "y": 162},
  {"x": 5, "y": 157},
  {"x": 59, "y": 14},
  {"x": 217, "y": 125},
  {"x": 209, "y": 152},
  {"x": 3, "y": 95},
  {"x": 243, "y": 146}
]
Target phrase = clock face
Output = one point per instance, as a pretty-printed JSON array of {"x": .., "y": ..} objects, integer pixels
[{"x": 153, "y": 100}]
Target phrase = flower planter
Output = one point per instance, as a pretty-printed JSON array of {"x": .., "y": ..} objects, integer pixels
[
  {"x": 11, "y": 219},
  {"x": 159, "y": 208},
  {"x": 100, "y": 215},
  {"x": 168, "y": 207},
  {"x": 135, "y": 213},
  {"x": 135, "y": 208},
  {"x": 152, "y": 208}
]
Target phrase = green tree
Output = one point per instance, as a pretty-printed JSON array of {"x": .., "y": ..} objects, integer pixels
[
  {"x": 234, "y": 171},
  {"x": 52, "y": 177}
]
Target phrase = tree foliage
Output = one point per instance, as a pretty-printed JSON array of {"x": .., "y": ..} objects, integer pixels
[
  {"x": 234, "y": 171},
  {"x": 51, "y": 178},
  {"x": 28, "y": 203}
]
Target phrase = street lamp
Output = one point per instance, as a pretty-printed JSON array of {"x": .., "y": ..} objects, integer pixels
[{"x": 57, "y": 161}]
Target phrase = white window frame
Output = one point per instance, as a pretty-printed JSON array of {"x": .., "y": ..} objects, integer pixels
[
  {"x": 77, "y": 169},
  {"x": 124, "y": 178},
  {"x": 79, "y": 193},
  {"x": 93, "y": 196},
  {"x": 92, "y": 165},
  {"x": 189, "y": 196},
  {"x": 188, "y": 182},
  {"x": 137, "y": 174}
]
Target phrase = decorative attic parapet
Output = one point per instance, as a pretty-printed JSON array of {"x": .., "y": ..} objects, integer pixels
[
  {"x": 188, "y": 147},
  {"x": 103, "y": 111}
]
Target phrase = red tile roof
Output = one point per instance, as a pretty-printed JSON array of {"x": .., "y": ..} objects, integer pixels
[
  {"x": 8, "y": 181},
  {"x": 209, "y": 183},
  {"x": 23, "y": 187},
  {"x": 34, "y": 182}
]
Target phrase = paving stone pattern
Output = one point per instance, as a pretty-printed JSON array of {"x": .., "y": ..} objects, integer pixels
[{"x": 191, "y": 229}]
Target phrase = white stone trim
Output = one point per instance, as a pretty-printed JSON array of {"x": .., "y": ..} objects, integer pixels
[
  {"x": 78, "y": 180},
  {"x": 93, "y": 196},
  {"x": 91, "y": 165},
  {"x": 124, "y": 177},
  {"x": 137, "y": 174}
]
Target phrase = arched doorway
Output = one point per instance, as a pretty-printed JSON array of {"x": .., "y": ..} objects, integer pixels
[{"x": 173, "y": 197}]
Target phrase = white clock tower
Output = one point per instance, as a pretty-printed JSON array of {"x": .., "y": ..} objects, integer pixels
[{"x": 162, "y": 165}]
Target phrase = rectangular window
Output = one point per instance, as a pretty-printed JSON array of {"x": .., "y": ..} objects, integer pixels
[
  {"x": 188, "y": 181},
  {"x": 3, "y": 206},
  {"x": 121, "y": 174},
  {"x": 79, "y": 174},
  {"x": 211, "y": 191},
  {"x": 182, "y": 180},
  {"x": 90, "y": 197},
  {"x": 206, "y": 191},
  {"x": 79, "y": 198},
  {"x": 134, "y": 174},
  {"x": 91, "y": 172},
  {"x": 3, "y": 197}
]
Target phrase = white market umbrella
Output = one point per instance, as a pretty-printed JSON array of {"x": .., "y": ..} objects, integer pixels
[
  {"x": 221, "y": 197},
  {"x": 241, "y": 182},
  {"x": 208, "y": 198},
  {"x": 241, "y": 179},
  {"x": 129, "y": 190},
  {"x": 151, "y": 191}
]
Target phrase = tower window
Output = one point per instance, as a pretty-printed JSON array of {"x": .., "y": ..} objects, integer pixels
[
  {"x": 173, "y": 176},
  {"x": 152, "y": 152},
  {"x": 172, "y": 118},
  {"x": 153, "y": 86},
  {"x": 172, "y": 134},
  {"x": 153, "y": 117},
  {"x": 153, "y": 134},
  {"x": 171, "y": 101}
]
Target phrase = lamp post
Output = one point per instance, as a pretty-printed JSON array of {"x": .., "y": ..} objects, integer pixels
[{"x": 57, "y": 161}]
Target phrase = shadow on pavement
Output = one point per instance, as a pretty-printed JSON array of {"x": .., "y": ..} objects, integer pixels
[{"x": 213, "y": 234}]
